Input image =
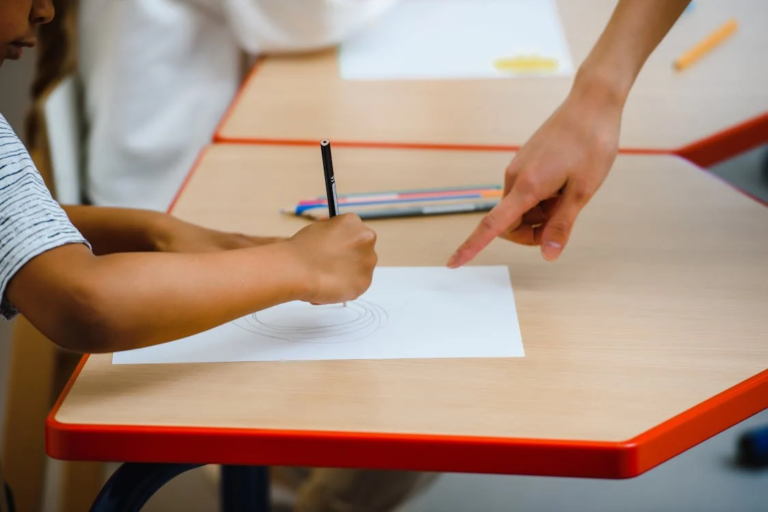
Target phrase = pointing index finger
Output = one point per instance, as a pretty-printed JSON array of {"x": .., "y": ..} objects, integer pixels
[{"x": 510, "y": 209}]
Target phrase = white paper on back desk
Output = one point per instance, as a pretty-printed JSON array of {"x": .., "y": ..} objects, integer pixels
[
  {"x": 408, "y": 312},
  {"x": 456, "y": 39}
]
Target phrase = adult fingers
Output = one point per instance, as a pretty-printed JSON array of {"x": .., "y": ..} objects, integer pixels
[
  {"x": 524, "y": 235},
  {"x": 534, "y": 216},
  {"x": 511, "y": 174},
  {"x": 509, "y": 210},
  {"x": 528, "y": 231},
  {"x": 558, "y": 228}
]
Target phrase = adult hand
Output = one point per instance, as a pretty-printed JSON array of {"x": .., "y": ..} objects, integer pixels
[{"x": 552, "y": 177}]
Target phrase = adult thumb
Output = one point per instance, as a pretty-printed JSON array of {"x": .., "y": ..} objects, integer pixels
[{"x": 558, "y": 228}]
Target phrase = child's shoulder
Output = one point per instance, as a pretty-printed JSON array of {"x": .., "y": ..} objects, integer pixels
[
  {"x": 8, "y": 135},
  {"x": 31, "y": 222},
  {"x": 15, "y": 162}
]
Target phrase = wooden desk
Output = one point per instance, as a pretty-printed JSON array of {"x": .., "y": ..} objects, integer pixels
[
  {"x": 645, "y": 339},
  {"x": 303, "y": 99}
]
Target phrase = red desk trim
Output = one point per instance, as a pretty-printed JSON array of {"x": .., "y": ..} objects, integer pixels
[
  {"x": 187, "y": 178},
  {"x": 544, "y": 457},
  {"x": 402, "y": 451},
  {"x": 727, "y": 143},
  {"x": 238, "y": 96},
  {"x": 706, "y": 152}
]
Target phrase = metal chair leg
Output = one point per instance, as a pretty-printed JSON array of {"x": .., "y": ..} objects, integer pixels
[
  {"x": 131, "y": 486},
  {"x": 245, "y": 489}
]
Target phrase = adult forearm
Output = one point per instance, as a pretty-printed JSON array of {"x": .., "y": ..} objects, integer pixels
[
  {"x": 633, "y": 32},
  {"x": 564, "y": 163}
]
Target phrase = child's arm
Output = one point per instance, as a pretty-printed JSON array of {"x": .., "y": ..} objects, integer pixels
[
  {"x": 111, "y": 230},
  {"x": 90, "y": 303}
]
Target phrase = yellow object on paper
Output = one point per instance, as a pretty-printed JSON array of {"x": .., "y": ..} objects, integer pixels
[
  {"x": 526, "y": 64},
  {"x": 459, "y": 39}
]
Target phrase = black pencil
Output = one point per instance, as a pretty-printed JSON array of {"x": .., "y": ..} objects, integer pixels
[{"x": 330, "y": 180}]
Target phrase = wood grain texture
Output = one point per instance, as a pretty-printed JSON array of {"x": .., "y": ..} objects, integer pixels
[
  {"x": 303, "y": 98},
  {"x": 658, "y": 304}
]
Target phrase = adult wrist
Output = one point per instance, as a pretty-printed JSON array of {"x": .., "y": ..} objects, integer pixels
[{"x": 601, "y": 85}]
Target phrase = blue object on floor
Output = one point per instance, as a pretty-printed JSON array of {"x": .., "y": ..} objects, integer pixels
[{"x": 753, "y": 448}]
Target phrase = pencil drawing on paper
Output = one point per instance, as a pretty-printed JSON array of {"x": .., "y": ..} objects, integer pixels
[
  {"x": 303, "y": 323},
  {"x": 407, "y": 313}
]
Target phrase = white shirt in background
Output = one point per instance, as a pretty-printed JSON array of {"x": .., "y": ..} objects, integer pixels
[{"x": 159, "y": 74}]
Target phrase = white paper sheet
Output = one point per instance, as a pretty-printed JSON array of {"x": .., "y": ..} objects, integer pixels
[
  {"x": 454, "y": 39},
  {"x": 408, "y": 312}
]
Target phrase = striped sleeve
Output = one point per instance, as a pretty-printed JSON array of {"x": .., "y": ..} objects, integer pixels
[{"x": 31, "y": 222}]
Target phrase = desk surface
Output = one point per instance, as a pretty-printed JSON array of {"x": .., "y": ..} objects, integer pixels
[
  {"x": 646, "y": 338},
  {"x": 303, "y": 99}
]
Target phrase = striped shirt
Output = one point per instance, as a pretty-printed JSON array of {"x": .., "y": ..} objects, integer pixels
[{"x": 31, "y": 222}]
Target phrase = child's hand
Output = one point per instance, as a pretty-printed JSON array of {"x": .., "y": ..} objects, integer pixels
[
  {"x": 178, "y": 236},
  {"x": 340, "y": 257}
]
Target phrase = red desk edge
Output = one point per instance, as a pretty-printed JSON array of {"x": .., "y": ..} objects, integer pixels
[
  {"x": 465, "y": 454},
  {"x": 545, "y": 457},
  {"x": 706, "y": 152}
]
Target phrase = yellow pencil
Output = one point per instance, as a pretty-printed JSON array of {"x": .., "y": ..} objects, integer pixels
[{"x": 705, "y": 46}]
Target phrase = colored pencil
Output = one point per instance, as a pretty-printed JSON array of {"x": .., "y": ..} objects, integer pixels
[
  {"x": 412, "y": 211},
  {"x": 306, "y": 206},
  {"x": 493, "y": 186},
  {"x": 706, "y": 45},
  {"x": 361, "y": 198}
]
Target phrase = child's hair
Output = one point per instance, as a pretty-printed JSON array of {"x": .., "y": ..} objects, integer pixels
[{"x": 56, "y": 59}]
